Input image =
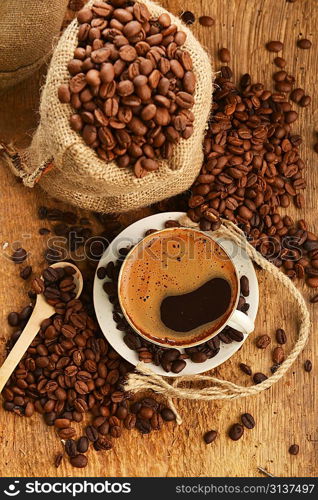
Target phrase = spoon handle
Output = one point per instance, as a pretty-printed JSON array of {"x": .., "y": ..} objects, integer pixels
[{"x": 20, "y": 347}]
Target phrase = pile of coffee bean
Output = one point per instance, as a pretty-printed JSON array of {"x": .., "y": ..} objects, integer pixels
[
  {"x": 252, "y": 167},
  {"x": 131, "y": 85},
  {"x": 70, "y": 372},
  {"x": 170, "y": 359}
]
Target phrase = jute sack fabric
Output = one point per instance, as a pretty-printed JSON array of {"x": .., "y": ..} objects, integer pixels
[
  {"x": 76, "y": 174},
  {"x": 28, "y": 29},
  {"x": 214, "y": 388}
]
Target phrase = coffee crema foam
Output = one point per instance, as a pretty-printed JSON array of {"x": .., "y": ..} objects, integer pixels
[{"x": 175, "y": 263}]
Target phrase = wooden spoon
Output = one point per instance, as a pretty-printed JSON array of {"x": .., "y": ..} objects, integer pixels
[{"x": 41, "y": 311}]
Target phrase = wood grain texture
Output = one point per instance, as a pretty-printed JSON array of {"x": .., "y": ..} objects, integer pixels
[{"x": 285, "y": 414}]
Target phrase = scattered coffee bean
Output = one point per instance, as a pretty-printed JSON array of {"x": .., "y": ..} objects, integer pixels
[
  {"x": 210, "y": 436},
  {"x": 82, "y": 444},
  {"x": 274, "y": 46},
  {"x": 70, "y": 448},
  {"x": 43, "y": 231},
  {"x": 308, "y": 365},
  {"x": 206, "y": 21},
  {"x": 58, "y": 460},
  {"x": 224, "y": 55},
  {"x": 294, "y": 449},
  {"x": 167, "y": 414},
  {"x": 280, "y": 62},
  {"x": 263, "y": 341},
  {"x": 79, "y": 461},
  {"x": 187, "y": 17},
  {"x": 26, "y": 272},
  {"x": 304, "y": 43},
  {"x": 19, "y": 256},
  {"x": 281, "y": 337},
  {"x": 245, "y": 368},
  {"x": 248, "y": 420},
  {"x": 236, "y": 432},
  {"x": 314, "y": 299},
  {"x": 305, "y": 101},
  {"x": 316, "y": 147},
  {"x": 259, "y": 377}
]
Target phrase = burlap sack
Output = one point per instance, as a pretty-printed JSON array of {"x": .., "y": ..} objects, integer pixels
[
  {"x": 27, "y": 32},
  {"x": 71, "y": 171}
]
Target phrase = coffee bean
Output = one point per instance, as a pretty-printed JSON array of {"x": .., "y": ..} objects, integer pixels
[
  {"x": 82, "y": 444},
  {"x": 274, "y": 46},
  {"x": 26, "y": 272},
  {"x": 101, "y": 273},
  {"x": 210, "y": 436},
  {"x": 281, "y": 337},
  {"x": 130, "y": 421},
  {"x": 79, "y": 461},
  {"x": 38, "y": 286},
  {"x": 70, "y": 448},
  {"x": 236, "y": 432},
  {"x": 297, "y": 95},
  {"x": 294, "y": 449},
  {"x": 304, "y": 43},
  {"x": 167, "y": 414},
  {"x": 259, "y": 377},
  {"x": 178, "y": 365},
  {"x": 248, "y": 420},
  {"x": 206, "y": 21},
  {"x": 58, "y": 460},
  {"x": 91, "y": 433},
  {"x": 13, "y": 319},
  {"x": 19, "y": 255},
  {"x": 305, "y": 101},
  {"x": 244, "y": 285},
  {"x": 224, "y": 55},
  {"x": 263, "y": 341},
  {"x": 144, "y": 426},
  {"x": 280, "y": 62},
  {"x": 245, "y": 368},
  {"x": 187, "y": 17},
  {"x": 308, "y": 366}
]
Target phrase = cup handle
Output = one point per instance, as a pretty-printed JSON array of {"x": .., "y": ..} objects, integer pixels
[{"x": 241, "y": 322}]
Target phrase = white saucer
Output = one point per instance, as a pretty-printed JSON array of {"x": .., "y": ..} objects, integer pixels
[{"x": 104, "y": 309}]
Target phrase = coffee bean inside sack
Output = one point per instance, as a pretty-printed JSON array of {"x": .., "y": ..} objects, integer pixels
[{"x": 131, "y": 85}]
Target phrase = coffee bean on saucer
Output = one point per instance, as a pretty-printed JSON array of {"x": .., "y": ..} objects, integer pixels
[
  {"x": 101, "y": 273},
  {"x": 245, "y": 368},
  {"x": 259, "y": 377},
  {"x": 308, "y": 366},
  {"x": 210, "y": 436},
  {"x": 294, "y": 449},
  {"x": 244, "y": 284},
  {"x": 235, "y": 335},
  {"x": 236, "y": 432},
  {"x": 248, "y": 420},
  {"x": 178, "y": 365}
]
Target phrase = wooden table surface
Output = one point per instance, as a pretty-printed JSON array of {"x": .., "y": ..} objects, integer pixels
[{"x": 285, "y": 414}]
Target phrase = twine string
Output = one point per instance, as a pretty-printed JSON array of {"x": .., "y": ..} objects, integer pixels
[{"x": 144, "y": 378}]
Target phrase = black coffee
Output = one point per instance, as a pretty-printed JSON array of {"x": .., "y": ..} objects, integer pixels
[{"x": 183, "y": 313}]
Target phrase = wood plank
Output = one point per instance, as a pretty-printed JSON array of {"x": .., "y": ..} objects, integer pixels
[{"x": 285, "y": 414}]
